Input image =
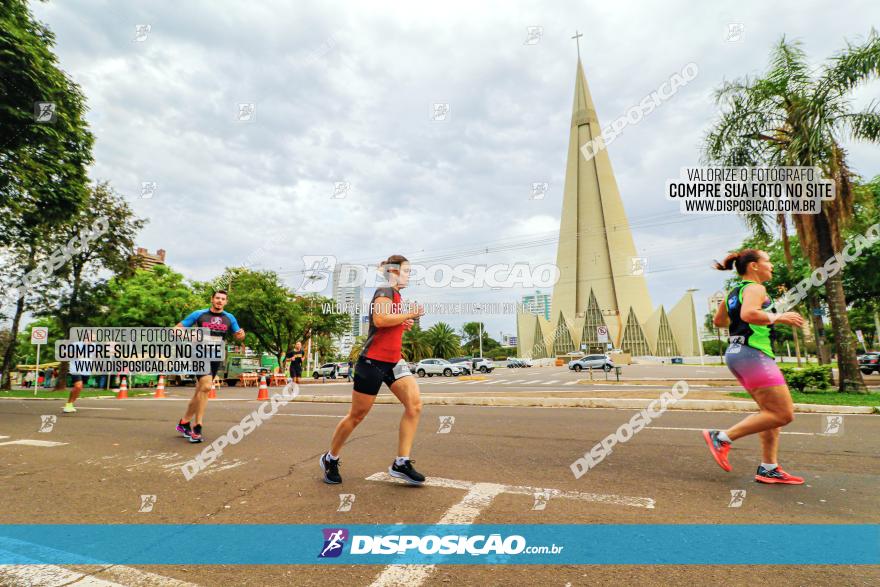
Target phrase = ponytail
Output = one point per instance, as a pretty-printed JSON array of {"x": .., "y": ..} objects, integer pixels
[{"x": 739, "y": 260}]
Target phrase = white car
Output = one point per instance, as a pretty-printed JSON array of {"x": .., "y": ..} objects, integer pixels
[{"x": 431, "y": 367}]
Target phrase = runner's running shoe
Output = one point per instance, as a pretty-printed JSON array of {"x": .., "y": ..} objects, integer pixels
[
  {"x": 718, "y": 448},
  {"x": 330, "y": 469},
  {"x": 69, "y": 409},
  {"x": 777, "y": 475},
  {"x": 184, "y": 428},
  {"x": 406, "y": 472},
  {"x": 195, "y": 434}
]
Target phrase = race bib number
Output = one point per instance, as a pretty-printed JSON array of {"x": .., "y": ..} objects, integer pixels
[{"x": 401, "y": 369}]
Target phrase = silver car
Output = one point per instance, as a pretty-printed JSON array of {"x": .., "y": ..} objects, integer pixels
[
  {"x": 591, "y": 362},
  {"x": 431, "y": 367}
]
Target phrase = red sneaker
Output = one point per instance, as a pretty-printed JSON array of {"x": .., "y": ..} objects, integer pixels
[
  {"x": 777, "y": 475},
  {"x": 718, "y": 448}
]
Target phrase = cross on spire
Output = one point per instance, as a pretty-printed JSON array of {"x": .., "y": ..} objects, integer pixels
[{"x": 577, "y": 40}]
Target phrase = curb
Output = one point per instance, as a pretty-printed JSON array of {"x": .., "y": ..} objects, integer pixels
[
  {"x": 556, "y": 402},
  {"x": 595, "y": 402}
]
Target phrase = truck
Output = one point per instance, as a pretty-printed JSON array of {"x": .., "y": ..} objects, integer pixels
[{"x": 238, "y": 361}]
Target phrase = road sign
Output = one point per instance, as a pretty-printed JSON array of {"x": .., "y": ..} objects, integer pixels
[
  {"x": 602, "y": 333},
  {"x": 40, "y": 335},
  {"x": 860, "y": 336},
  {"x": 584, "y": 347}
]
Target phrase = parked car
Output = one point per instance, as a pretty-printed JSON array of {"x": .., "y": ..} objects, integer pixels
[
  {"x": 516, "y": 363},
  {"x": 591, "y": 362},
  {"x": 330, "y": 370},
  {"x": 473, "y": 364},
  {"x": 869, "y": 363},
  {"x": 431, "y": 367},
  {"x": 464, "y": 363}
]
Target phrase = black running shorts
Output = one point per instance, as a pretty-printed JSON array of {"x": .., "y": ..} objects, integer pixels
[
  {"x": 370, "y": 374},
  {"x": 296, "y": 370},
  {"x": 215, "y": 366}
]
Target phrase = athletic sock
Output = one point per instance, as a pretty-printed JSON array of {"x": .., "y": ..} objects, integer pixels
[
  {"x": 182, "y": 423},
  {"x": 723, "y": 437},
  {"x": 769, "y": 466},
  {"x": 400, "y": 461},
  {"x": 332, "y": 457}
]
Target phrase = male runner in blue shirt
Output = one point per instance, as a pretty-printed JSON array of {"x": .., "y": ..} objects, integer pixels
[{"x": 221, "y": 324}]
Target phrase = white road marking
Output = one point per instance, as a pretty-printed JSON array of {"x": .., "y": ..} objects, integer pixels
[
  {"x": 85, "y": 408},
  {"x": 47, "y": 576},
  {"x": 2, "y": 437},
  {"x": 551, "y": 382},
  {"x": 531, "y": 382},
  {"x": 44, "y": 575},
  {"x": 27, "y": 442},
  {"x": 478, "y": 497},
  {"x": 569, "y": 382},
  {"x": 312, "y": 415},
  {"x": 701, "y": 429},
  {"x": 509, "y": 381},
  {"x": 473, "y": 382}
]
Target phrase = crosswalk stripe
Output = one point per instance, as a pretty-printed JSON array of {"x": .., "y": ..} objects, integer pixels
[
  {"x": 551, "y": 382},
  {"x": 569, "y": 382},
  {"x": 530, "y": 382},
  {"x": 27, "y": 442}
]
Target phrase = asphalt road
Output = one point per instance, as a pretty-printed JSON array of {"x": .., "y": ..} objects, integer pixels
[{"x": 115, "y": 451}]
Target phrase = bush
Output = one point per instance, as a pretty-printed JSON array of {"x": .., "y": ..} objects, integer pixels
[
  {"x": 809, "y": 378},
  {"x": 499, "y": 358}
]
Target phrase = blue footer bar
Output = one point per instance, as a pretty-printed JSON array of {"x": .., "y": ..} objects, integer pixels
[{"x": 529, "y": 544}]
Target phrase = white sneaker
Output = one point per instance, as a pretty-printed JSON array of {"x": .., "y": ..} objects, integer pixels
[{"x": 69, "y": 409}]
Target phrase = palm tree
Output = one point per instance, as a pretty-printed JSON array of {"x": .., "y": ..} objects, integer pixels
[
  {"x": 357, "y": 347},
  {"x": 324, "y": 346},
  {"x": 793, "y": 116},
  {"x": 415, "y": 344},
  {"x": 443, "y": 340}
]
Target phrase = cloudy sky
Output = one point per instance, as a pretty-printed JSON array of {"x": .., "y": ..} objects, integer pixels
[{"x": 343, "y": 92}]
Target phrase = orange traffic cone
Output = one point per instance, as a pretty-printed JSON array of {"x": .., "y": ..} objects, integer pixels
[
  {"x": 264, "y": 389},
  {"x": 213, "y": 393},
  {"x": 160, "y": 387},
  {"x": 123, "y": 389}
]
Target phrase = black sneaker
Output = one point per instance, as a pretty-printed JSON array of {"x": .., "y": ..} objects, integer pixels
[
  {"x": 184, "y": 429},
  {"x": 195, "y": 434},
  {"x": 331, "y": 470},
  {"x": 406, "y": 472}
]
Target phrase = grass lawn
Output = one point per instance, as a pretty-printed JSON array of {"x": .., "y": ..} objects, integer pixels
[
  {"x": 830, "y": 398},
  {"x": 48, "y": 393}
]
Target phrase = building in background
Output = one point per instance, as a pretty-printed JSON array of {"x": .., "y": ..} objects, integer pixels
[
  {"x": 347, "y": 294},
  {"x": 601, "y": 299},
  {"x": 147, "y": 260},
  {"x": 537, "y": 303}
]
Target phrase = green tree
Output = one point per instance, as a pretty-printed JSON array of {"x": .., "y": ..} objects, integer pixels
[
  {"x": 75, "y": 293},
  {"x": 160, "y": 297},
  {"x": 43, "y": 160},
  {"x": 273, "y": 316},
  {"x": 793, "y": 116},
  {"x": 443, "y": 340},
  {"x": 415, "y": 344}
]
